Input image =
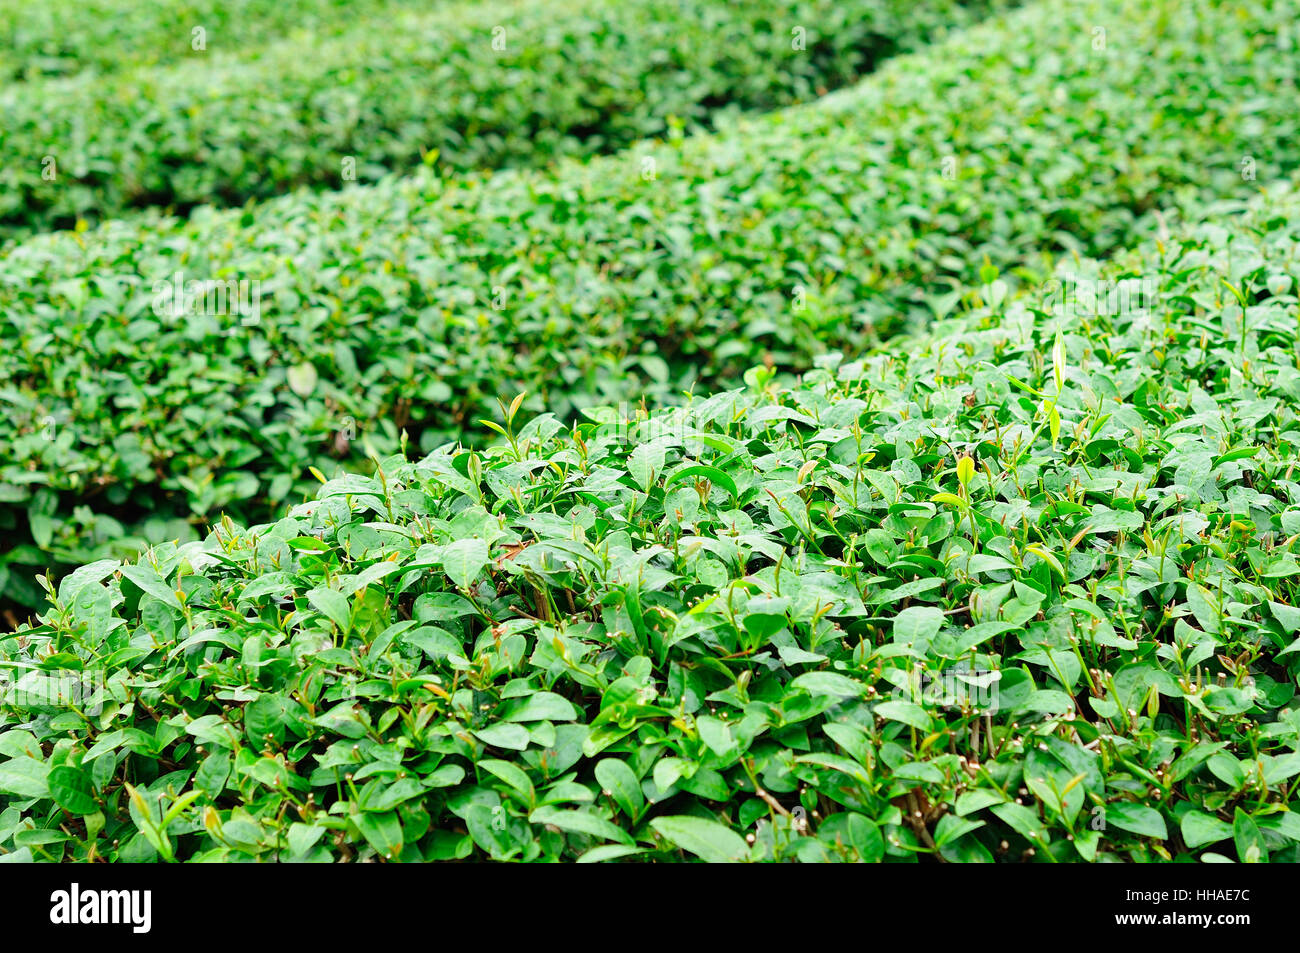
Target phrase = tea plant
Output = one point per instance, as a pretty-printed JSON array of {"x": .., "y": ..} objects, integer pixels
[
  {"x": 1021, "y": 589},
  {"x": 63, "y": 38},
  {"x": 411, "y": 305},
  {"x": 463, "y": 85}
]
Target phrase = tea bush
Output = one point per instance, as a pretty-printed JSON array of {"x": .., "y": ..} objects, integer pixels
[
  {"x": 467, "y": 85},
  {"x": 64, "y": 37},
  {"x": 415, "y": 303},
  {"x": 1021, "y": 589}
]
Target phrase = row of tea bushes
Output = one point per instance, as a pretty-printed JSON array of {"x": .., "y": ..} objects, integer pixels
[
  {"x": 1022, "y": 589},
  {"x": 466, "y": 85},
  {"x": 65, "y": 37},
  {"x": 416, "y": 303}
]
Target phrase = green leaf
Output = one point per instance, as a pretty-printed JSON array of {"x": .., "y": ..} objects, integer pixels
[
  {"x": 980, "y": 633},
  {"x": 383, "y": 831},
  {"x": 25, "y": 777},
  {"x": 464, "y": 559},
  {"x": 270, "y": 717},
  {"x": 645, "y": 463},
  {"x": 907, "y": 713},
  {"x": 865, "y": 837},
  {"x": 149, "y": 580},
  {"x": 303, "y": 837},
  {"x": 621, "y": 783},
  {"x": 1247, "y": 838},
  {"x": 1200, "y": 829},
  {"x": 512, "y": 775},
  {"x": 828, "y": 683},
  {"x": 607, "y": 852},
  {"x": 1201, "y": 603},
  {"x": 1137, "y": 819},
  {"x": 72, "y": 790},
  {"x": 334, "y": 606},
  {"x": 510, "y": 736},
  {"x": 712, "y": 474},
  {"x": 581, "y": 822},
  {"x": 1022, "y": 820},
  {"x": 1287, "y": 616},
  {"x": 302, "y": 378},
  {"x": 539, "y": 706},
  {"x": 708, "y": 840},
  {"x": 917, "y": 624}
]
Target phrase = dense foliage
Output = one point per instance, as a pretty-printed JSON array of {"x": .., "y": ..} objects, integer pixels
[
  {"x": 466, "y": 85},
  {"x": 56, "y": 39},
  {"x": 413, "y": 304},
  {"x": 1023, "y": 588}
]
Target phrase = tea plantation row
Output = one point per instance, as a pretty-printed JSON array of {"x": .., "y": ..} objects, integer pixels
[
  {"x": 465, "y": 85},
  {"x": 65, "y": 37},
  {"x": 416, "y": 303},
  {"x": 1022, "y": 589}
]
